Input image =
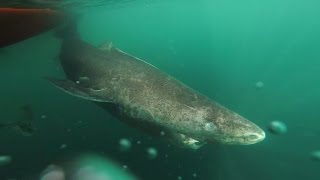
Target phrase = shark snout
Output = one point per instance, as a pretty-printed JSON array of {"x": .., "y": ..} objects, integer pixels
[{"x": 254, "y": 137}]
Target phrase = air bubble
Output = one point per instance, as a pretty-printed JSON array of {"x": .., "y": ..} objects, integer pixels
[
  {"x": 162, "y": 133},
  {"x": 259, "y": 84},
  {"x": 124, "y": 144},
  {"x": 278, "y": 127},
  {"x": 315, "y": 155},
  {"x": 5, "y": 159},
  {"x": 63, "y": 146},
  {"x": 152, "y": 152},
  {"x": 194, "y": 175}
]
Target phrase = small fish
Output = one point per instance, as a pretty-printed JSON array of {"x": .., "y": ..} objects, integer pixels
[{"x": 25, "y": 125}]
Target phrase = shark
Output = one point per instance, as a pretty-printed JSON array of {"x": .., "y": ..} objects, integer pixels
[{"x": 148, "y": 98}]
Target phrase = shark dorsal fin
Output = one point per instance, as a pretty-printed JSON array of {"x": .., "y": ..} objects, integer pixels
[{"x": 106, "y": 47}]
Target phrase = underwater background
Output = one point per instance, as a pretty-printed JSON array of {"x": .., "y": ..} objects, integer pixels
[{"x": 223, "y": 49}]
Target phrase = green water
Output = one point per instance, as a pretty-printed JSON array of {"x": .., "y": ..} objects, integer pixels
[{"x": 220, "y": 48}]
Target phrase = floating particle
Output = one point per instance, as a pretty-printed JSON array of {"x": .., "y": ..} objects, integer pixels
[
  {"x": 194, "y": 175},
  {"x": 315, "y": 155},
  {"x": 259, "y": 84},
  {"x": 69, "y": 130},
  {"x": 63, "y": 146},
  {"x": 179, "y": 178},
  {"x": 5, "y": 159},
  {"x": 138, "y": 142},
  {"x": 209, "y": 126},
  {"x": 125, "y": 167},
  {"x": 152, "y": 152},
  {"x": 78, "y": 82},
  {"x": 166, "y": 156},
  {"x": 278, "y": 127},
  {"x": 162, "y": 133},
  {"x": 124, "y": 144},
  {"x": 43, "y": 116}
]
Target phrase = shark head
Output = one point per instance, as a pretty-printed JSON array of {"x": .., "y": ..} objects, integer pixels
[
  {"x": 231, "y": 128},
  {"x": 221, "y": 125}
]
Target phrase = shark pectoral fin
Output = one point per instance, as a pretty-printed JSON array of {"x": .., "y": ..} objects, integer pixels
[
  {"x": 75, "y": 89},
  {"x": 187, "y": 142}
]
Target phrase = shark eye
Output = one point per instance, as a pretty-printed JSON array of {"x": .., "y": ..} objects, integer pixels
[{"x": 209, "y": 126}]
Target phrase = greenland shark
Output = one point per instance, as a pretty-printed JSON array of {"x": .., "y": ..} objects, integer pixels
[{"x": 143, "y": 96}]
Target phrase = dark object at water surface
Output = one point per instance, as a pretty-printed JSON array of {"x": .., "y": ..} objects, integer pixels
[{"x": 20, "y": 24}]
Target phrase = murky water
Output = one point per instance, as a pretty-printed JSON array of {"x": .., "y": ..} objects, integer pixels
[{"x": 258, "y": 58}]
